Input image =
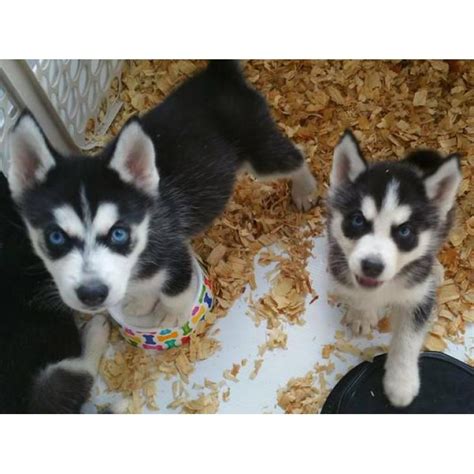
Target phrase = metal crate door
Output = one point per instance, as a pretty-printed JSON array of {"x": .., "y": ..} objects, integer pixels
[{"x": 68, "y": 98}]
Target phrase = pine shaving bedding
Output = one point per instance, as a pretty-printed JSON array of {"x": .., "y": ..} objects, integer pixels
[{"x": 392, "y": 106}]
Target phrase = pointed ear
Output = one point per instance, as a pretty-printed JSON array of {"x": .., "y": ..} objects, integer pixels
[
  {"x": 134, "y": 158},
  {"x": 348, "y": 162},
  {"x": 442, "y": 185},
  {"x": 30, "y": 157}
]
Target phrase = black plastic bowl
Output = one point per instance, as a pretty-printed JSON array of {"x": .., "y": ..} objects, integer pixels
[{"x": 447, "y": 386}]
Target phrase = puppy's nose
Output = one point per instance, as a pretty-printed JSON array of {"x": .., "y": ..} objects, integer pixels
[
  {"x": 93, "y": 293},
  {"x": 372, "y": 267}
]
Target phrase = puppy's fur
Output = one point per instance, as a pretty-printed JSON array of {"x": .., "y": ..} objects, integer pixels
[
  {"x": 42, "y": 366},
  {"x": 386, "y": 223},
  {"x": 123, "y": 219}
]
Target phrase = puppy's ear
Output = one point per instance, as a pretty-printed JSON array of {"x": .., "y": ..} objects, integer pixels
[
  {"x": 134, "y": 158},
  {"x": 348, "y": 162},
  {"x": 442, "y": 185},
  {"x": 30, "y": 157}
]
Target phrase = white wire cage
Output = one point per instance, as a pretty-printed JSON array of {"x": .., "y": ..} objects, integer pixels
[{"x": 72, "y": 99}]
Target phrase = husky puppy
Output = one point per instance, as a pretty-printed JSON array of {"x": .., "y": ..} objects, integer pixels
[
  {"x": 43, "y": 368},
  {"x": 119, "y": 223},
  {"x": 386, "y": 224}
]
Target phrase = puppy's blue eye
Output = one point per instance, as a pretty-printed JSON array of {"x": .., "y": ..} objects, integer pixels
[
  {"x": 57, "y": 238},
  {"x": 358, "y": 220},
  {"x": 404, "y": 231},
  {"x": 119, "y": 236}
]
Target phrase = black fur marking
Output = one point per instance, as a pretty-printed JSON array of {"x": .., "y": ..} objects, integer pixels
[
  {"x": 429, "y": 161},
  {"x": 58, "y": 251},
  {"x": 63, "y": 186},
  {"x": 60, "y": 391},
  {"x": 338, "y": 265},
  {"x": 417, "y": 271},
  {"x": 346, "y": 199},
  {"x": 180, "y": 274},
  {"x": 355, "y": 232},
  {"x": 36, "y": 328},
  {"x": 405, "y": 244},
  {"x": 124, "y": 248},
  {"x": 422, "y": 312},
  {"x": 376, "y": 179}
]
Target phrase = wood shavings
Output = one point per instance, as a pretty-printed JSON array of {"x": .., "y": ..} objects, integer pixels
[
  {"x": 256, "y": 368},
  {"x": 328, "y": 349},
  {"x": 434, "y": 342},
  {"x": 184, "y": 366},
  {"x": 327, "y": 368},
  {"x": 226, "y": 395},
  {"x": 285, "y": 301},
  {"x": 383, "y": 325},
  {"x": 301, "y": 396},
  {"x": 276, "y": 339},
  {"x": 419, "y": 99},
  {"x": 235, "y": 369},
  {"x": 134, "y": 372},
  {"x": 204, "y": 404},
  {"x": 448, "y": 293},
  {"x": 217, "y": 254},
  {"x": 227, "y": 374}
]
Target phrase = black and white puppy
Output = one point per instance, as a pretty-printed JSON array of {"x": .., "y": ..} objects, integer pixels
[
  {"x": 119, "y": 223},
  {"x": 43, "y": 368},
  {"x": 386, "y": 224}
]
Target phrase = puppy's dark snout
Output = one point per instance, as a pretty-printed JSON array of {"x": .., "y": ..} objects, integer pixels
[
  {"x": 372, "y": 267},
  {"x": 93, "y": 293}
]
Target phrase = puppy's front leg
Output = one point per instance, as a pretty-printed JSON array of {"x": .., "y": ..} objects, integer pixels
[
  {"x": 179, "y": 291},
  {"x": 402, "y": 378}
]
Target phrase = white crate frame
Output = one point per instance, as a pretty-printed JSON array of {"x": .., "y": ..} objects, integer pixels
[{"x": 48, "y": 88}]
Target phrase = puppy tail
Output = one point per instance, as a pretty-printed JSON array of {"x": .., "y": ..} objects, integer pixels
[
  {"x": 226, "y": 69},
  {"x": 60, "y": 390}
]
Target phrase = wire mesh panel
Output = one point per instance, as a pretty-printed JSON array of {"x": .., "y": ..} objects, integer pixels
[
  {"x": 9, "y": 111},
  {"x": 78, "y": 90},
  {"x": 71, "y": 99}
]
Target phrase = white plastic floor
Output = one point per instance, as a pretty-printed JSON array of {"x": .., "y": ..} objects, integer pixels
[{"x": 240, "y": 339}]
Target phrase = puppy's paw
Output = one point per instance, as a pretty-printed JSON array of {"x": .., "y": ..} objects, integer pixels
[
  {"x": 173, "y": 316},
  {"x": 304, "y": 189},
  {"x": 401, "y": 387},
  {"x": 139, "y": 305},
  {"x": 361, "y": 323},
  {"x": 303, "y": 202},
  {"x": 96, "y": 333}
]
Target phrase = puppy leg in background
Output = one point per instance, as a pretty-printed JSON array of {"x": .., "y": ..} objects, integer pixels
[
  {"x": 65, "y": 386},
  {"x": 303, "y": 188},
  {"x": 275, "y": 156},
  {"x": 402, "y": 376}
]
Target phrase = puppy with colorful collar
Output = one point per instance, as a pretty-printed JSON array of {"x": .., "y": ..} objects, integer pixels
[{"x": 117, "y": 227}]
